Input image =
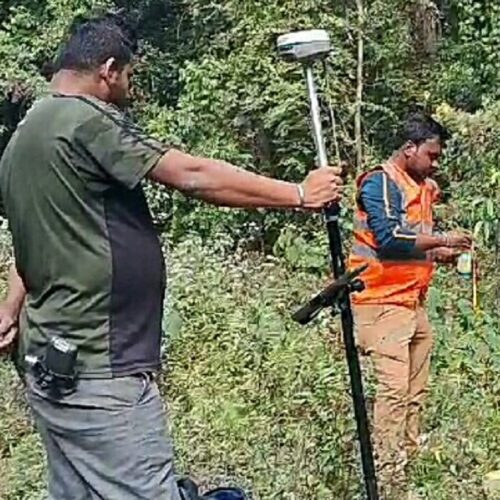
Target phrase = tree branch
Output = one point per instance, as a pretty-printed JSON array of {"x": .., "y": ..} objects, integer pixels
[{"x": 358, "y": 126}]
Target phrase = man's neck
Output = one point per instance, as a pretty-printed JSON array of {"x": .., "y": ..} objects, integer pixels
[
  {"x": 68, "y": 82},
  {"x": 399, "y": 161}
]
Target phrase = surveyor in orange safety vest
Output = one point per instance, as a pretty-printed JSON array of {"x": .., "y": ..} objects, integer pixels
[{"x": 394, "y": 235}]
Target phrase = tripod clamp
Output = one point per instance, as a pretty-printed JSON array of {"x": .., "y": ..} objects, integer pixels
[{"x": 329, "y": 296}]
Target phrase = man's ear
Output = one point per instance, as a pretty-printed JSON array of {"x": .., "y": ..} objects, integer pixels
[
  {"x": 108, "y": 67},
  {"x": 409, "y": 149}
]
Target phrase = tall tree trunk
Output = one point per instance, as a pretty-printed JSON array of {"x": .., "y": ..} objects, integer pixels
[
  {"x": 497, "y": 270},
  {"x": 358, "y": 125}
]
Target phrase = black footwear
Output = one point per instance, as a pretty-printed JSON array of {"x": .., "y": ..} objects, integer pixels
[
  {"x": 189, "y": 491},
  {"x": 225, "y": 494}
]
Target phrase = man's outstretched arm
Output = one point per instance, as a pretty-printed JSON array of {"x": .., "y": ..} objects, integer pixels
[
  {"x": 221, "y": 183},
  {"x": 126, "y": 155},
  {"x": 10, "y": 308}
]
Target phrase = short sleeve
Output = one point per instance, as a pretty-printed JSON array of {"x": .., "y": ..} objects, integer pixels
[{"x": 118, "y": 147}]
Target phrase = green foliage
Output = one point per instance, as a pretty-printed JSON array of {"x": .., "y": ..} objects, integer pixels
[
  {"x": 469, "y": 68},
  {"x": 473, "y": 170},
  {"x": 208, "y": 79},
  {"x": 262, "y": 402},
  {"x": 22, "y": 462},
  {"x": 30, "y": 35},
  {"x": 254, "y": 398}
]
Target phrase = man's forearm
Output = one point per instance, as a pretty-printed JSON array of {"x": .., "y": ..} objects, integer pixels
[
  {"x": 16, "y": 292},
  {"x": 426, "y": 242},
  {"x": 222, "y": 183}
]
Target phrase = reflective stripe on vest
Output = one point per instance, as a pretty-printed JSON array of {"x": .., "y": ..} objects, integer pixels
[{"x": 394, "y": 281}]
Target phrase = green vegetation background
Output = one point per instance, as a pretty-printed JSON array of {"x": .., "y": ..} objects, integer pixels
[{"x": 254, "y": 398}]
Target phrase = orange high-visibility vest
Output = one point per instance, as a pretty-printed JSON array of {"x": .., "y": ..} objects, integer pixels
[{"x": 389, "y": 281}]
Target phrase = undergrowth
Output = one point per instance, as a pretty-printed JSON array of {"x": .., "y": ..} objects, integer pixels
[{"x": 258, "y": 401}]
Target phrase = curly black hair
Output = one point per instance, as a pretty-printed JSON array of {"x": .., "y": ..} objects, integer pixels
[
  {"x": 92, "y": 41},
  {"x": 420, "y": 127}
]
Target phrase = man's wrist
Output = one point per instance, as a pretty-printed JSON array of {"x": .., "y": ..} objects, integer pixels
[
  {"x": 445, "y": 241},
  {"x": 431, "y": 255},
  {"x": 301, "y": 195}
]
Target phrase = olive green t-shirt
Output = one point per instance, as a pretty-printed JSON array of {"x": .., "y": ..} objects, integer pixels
[{"x": 84, "y": 241}]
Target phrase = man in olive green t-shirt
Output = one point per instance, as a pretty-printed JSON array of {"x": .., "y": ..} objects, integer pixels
[{"x": 89, "y": 266}]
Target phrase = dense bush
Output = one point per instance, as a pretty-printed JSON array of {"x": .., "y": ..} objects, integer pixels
[
  {"x": 208, "y": 79},
  {"x": 254, "y": 398},
  {"x": 257, "y": 400}
]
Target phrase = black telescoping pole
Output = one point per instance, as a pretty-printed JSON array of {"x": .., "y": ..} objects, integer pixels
[{"x": 344, "y": 303}]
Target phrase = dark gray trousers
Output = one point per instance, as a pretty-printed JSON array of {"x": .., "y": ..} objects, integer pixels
[{"x": 107, "y": 441}]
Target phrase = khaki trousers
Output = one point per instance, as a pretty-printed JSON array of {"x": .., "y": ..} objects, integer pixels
[{"x": 398, "y": 341}]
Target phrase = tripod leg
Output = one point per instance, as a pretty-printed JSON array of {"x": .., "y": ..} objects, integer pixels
[
  {"x": 359, "y": 400},
  {"x": 356, "y": 380}
]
